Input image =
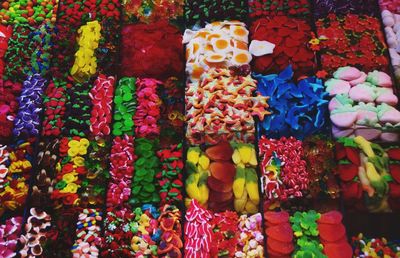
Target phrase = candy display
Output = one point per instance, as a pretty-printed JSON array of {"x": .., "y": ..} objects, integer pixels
[
  {"x": 146, "y": 167},
  {"x": 36, "y": 227},
  {"x": 171, "y": 174},
  {"x": 32, "y": 12},
  {"x": 368, "y": 174},
  {"x": 202, "y": 11},
  {"x": 374, "y": 247},
  {"x": 362, "y": 104},
  {"x": 296, "y": 110},
  {"x": 297, "y": 8},
  {"x": 390, "y": 21},
  {"x": 102, "y": 97},
  {"x": 158, "y": 61},
  {"x": 121, "y": 171},
  {"x": 125, "y": 106},
  {"x": 283, "y": 169},
  {"x": 149, "y": 11},
  {"x": 16, "y": 176},
  {"x": 306, "y": 233},
  {"x": 148, "y": 111},
  {"x": 87, "y": 233},
  {"x": 85, "y": 61},
  {"x": 326, "y": 7},
  {"x": 198, "y": 128},
  {"x": 221, "y": 106},
  {"x": 5, "y": 34},
  {"x": 291, "y": 38},
  {"x": 27, "y": 121},
  {"x": 223, "y": 175},
  {"x": 8, "y": 107},
  {"x": 355, "y": 40},
  {"x": 9, "y": 234}
]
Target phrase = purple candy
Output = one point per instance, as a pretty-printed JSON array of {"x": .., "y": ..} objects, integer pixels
[{"x": 26, "y": 123}]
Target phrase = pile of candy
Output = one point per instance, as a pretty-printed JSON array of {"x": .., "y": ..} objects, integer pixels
[
  {"x": 369, "y": 174},
  {"x": 162, "y": 128},
  {"x": 363, "y": 104}
]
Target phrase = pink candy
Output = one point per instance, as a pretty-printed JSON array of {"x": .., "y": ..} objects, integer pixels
[
  {"x": 122, "y": 160},
  {"x": 102, "y": 97},
  {"x": 148, "y": 109}
]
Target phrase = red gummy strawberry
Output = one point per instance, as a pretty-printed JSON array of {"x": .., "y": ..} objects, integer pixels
[
  {"x": 340, "y": 152},
  {"x": 280, "y": 247},
  {"x": 276, "y": 217},
  {"x": 331, "y": 217},
  {"x": 331, "y": 232},
  {"x": 347, "y": 171},
  {"x": 394, "y": 190},
  {"x": 342, "y": 250},
  {"x": 353, "y": 155},
  {"x": 351, "y": 190},
  {"x": 220, "y": 152},
  {"x": 282, "y": 232},
  {"x": 394, "y": 170},
  {"x": 394, "y": 153}
]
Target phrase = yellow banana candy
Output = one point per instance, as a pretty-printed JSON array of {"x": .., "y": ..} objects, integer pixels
[
  {"x": 236, "y": 157},
  {"x": 245, "y": 153},
  {"x": 204, "y": 162},
  {"x": 251, "y": 207},
  {"x": 252, "y": 185},
  {"x": 365, "y": 146},
  {"x": 253, "y": 157},
  {"x": 240, "y": 203},
  {"x": 203, "y": 189},
  {"x": 193, "y": 155},
  {"x": 191, "y": 186},
  {"x": 239, "y": 182}
]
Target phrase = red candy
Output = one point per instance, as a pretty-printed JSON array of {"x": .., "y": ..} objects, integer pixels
[{"x": 102, "y": 98}]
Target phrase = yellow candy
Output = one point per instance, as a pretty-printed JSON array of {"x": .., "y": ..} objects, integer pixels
[
  {"x": 70, "y": 188},
  {"x": 73, "y": 143},
  {"x": 78, "y": 161},
  {"x": 82, "y": 150},
  {"x": 69, "y": 178},
  {"x": 84, "y": 142},
  {"x": 72, "y": 152}
]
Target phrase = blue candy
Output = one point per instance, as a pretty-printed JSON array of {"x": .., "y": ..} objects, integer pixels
[{"x": 298, "y": 110}]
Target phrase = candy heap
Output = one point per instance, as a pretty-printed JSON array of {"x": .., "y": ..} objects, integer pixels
[
  {"x": 296, "y": 109},
  {"x": 15, "y": 180},
  {"x": 362, "y": 104},
  {"x": 291, "y": 38},
  {"x": 170, "y": 224},
  {"x": 36, "y": 230},
  {"x": 283, "y": 169},
  {"x": 158, "y": 61},
  {"x": 27, "y": 121},
  {"x": 85, "y": 62},
  {"x": 306, "y": 233},
  {"x": 32, "y": 12},
  {"x": 391, "y": 21},
  {"x": 87, "y": 231},
  {"x": 293, "y": 8},
  {"x": 218, "y": 45},
  {"x": 125, "y": 106},
  {"x": 251, "y": 238},
  {"x": 149, "y": 11},
  {"x": 121, "y": 171},
  {"x": 369, "y": 175},
  {"x": 221, "y": 175},
  {"x": 102, "y": 97},
  {"x": 202, "y": 11},
  {"x": 352, "y": 40},
  {"x": 220, "y": 106},
  {"x": 5, "y": 34},
  {"x": 374, "y": 247},
  {"x": 8, "y": 107},
  {"x": 10, "y": 231}
]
